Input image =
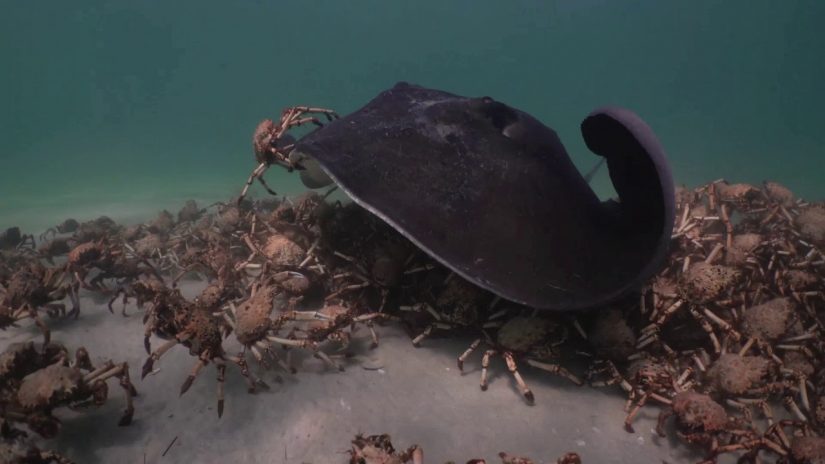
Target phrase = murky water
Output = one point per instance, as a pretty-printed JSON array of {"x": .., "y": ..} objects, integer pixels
[
  {"x": 124, "y": 108},
  {"x": 141, "y": 104}
]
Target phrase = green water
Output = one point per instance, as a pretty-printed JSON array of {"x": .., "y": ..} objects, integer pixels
[{"x": 124, "y": 107}]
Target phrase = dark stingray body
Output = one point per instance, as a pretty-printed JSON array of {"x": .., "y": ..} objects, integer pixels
[{"x": 490, "y": 192}]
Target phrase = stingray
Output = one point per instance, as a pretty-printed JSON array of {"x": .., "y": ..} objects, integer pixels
[{"x": 491, "y": 193}]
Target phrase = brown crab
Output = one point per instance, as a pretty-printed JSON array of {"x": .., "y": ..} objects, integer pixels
[
  {"x": 268, "y": 142},
  {"x": 277, "y": 249},
  {"x": 96, "y": 229},
  {"x": 769, "y": 321},
  {"x": 26, "y": 453},
  {"x": 330, "y": 322},
  {"x": 189, "y": 212},
  {"x": 196, "y": 326},
  {"x": 459, "y": 305},
  {"x": 534, "y": 338},
  {"x": 21, "y": 359},
  {"x": 650, "y": 379},
  {"x": 33, "y": 287},
  {"x": 806, "y": 450},
  {"x": 258, "y": 331},
  {"x": 64, "y": 384},
  {"x": 702, "y": 421},
  {"x": 811, "y": 224},
  {"x": 378, "y": 449},
  {"x": 568, "y": 458},
  {"x": 11, "y": 238},
  {"x": 733, "y": 375}
]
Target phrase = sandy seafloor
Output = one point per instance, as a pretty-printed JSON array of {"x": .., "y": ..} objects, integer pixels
[{"x": 415, "y": 395}]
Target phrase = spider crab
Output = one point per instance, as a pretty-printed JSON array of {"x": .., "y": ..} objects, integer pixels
[
  {"x": 195, "y": 326},
  {"x": 62, "y": 383},
  {"x": 272, "y": 146}
]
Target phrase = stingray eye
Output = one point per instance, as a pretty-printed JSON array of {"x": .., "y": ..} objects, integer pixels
[{"x": 500, "y": 115}]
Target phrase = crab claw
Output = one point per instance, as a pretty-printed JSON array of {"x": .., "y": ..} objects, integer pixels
[
  {"x": 126, "y": 419},
  {"x": 186, "y": 384},
  {"x": 147, "y": 367}
]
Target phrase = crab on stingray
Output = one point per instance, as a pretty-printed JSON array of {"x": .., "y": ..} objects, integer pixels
[{"x": 491, "y": 193}]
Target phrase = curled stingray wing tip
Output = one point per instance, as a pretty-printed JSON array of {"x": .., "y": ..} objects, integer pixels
[
  {"x": 595, "y": 124},
  {"x": 634, "y": 124},
  {"x": 595, "y": 129}
]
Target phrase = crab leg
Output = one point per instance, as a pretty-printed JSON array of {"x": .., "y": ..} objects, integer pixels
[
  {"x": 99, "y": 373},
  {"x": 147, "y": 330},
  {"x": 251, "y": 380},
  {"x": 220, "y": 365},
  {"x": 47, "y": 334},
  {"x": 150, "y": 361},
  {"x": 255, "y": 174},
  {"x": 466, "y": 354},
  {"x": 307, "y": 344},
  {"x": 75, "y": 299},
  {"x": 628, "y": 421},
  {"x": 126, "y": 383},
  {"x": 511, "y": 366},
  {"x": 485, "y": 365},
  {"x": 267, "y": 347},
  {"x": 202, "y": 360},
  {"x": 323, "y": 357},
  {"x": 373, "y": 334},
  {"x": 417, "y": 340},
  {"x": 121, "y": 371},
  {"x": 555, "y": 369}
]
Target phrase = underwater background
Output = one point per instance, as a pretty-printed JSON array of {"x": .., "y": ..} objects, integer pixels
[{"x": 123, "y": 108}]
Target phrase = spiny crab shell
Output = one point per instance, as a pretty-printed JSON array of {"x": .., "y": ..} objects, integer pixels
[
  {"x": 294, "y": 283},
  {"x": 819, "y": 412},
  {"x": 49, "y": 386},
  {"x": 611, "y": 336},
  {"x": 521, "y": 333},
  {"x": 163, "y": 223},
  {"x": 460, "y": 301},
  {"x": 283, "y": 251},
  {"x": 779, "y": 193},
  {"x": 738, "y": 193},
  {"x": 799, "y": 280},
  {"x": 388, "y": 264},
  {"x": 808, "y": 450},
  {"x": 699, "y": 412},
  {"x": 252, "y": 316},
  {"x": 705, "y": 282},
  {"x": 261, "y": 140},
  {"x": 147, "y": 245},
  {"x": 206, "y": 333},
  {"x": 85, "y": 253},
  {"x": 15, "y": 357},
  {"x": 811, "y": 223},
  {"x": 213, "y": 295},
  {"x": 378, "y": 449},
  {"x": 21, "y": 359},
  {"x": 768, "y": 321},
  {"x": 647, "y": 371},
  {"x": 742, "y": 245},
  {"x": 732, "y": 374}
]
